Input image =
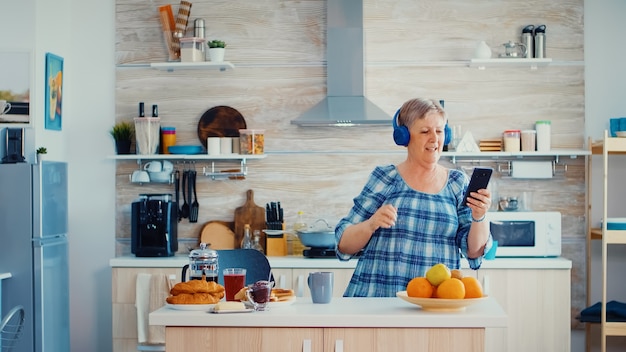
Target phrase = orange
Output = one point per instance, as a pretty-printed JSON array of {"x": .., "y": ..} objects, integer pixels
[
  {"x": 419, "y": 287},
  {"x": 451, "y": 289},
  {"x": 473, "y": 288},
  {"x": 456, "y": 273}
]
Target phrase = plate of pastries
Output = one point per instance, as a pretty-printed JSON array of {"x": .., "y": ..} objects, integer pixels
[{"x": 195, "y": 295}]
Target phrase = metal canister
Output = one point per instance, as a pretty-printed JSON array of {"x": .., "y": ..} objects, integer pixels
[
  {"x": 199, "y": 30},
  {"x": 527, "y": 40},
  {"x": 540, "y": 41}
]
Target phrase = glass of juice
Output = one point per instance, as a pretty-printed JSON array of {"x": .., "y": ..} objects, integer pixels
[{"x": 234, "y": 280}]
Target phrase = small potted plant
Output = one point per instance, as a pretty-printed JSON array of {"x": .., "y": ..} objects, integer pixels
[
  {"x": 123, "y": 133},
  {"x": 41, "y": 151},
  {"x": 216, "y": 50}
]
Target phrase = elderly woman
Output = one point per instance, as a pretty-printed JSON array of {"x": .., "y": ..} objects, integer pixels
[{"x": 411, "y": 216}]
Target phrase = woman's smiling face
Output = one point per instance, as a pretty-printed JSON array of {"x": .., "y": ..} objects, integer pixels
[{"x": 427, "y": 137}]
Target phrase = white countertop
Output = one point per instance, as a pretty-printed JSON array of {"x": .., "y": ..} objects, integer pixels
[
  {"x": 343, "y": 312},
  {"x": 299, "y": 262}
]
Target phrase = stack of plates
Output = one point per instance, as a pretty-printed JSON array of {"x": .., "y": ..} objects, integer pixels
[{"x": 490, "y": 145}]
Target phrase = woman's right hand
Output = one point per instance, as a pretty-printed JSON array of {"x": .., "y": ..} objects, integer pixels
[{"x": 384, "y": 217}]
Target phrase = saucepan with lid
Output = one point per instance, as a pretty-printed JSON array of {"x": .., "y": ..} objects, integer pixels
[{"x": 318, "y": 235}]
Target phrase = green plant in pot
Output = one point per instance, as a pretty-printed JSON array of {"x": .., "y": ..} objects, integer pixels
[
  {"x": 216, "y": 50},
  {"x": 123, "y": 133},
  {"x": 41, "y": 151}
]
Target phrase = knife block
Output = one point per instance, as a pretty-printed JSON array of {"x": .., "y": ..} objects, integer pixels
[{"x": 276, "y": 245}]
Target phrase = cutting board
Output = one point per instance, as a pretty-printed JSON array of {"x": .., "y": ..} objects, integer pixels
[
  {"x": 252, "y": 214},
  {"x": 218, "y": 234}
]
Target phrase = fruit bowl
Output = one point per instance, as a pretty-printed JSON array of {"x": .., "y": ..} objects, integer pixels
[{"x": 440, "y": 304}]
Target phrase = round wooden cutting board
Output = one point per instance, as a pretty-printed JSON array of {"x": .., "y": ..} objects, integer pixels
[
  {"x": 220, "y": 121},
  {"x": 218, "y": 234}
]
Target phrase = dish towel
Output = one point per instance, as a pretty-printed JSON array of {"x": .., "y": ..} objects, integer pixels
[
  {"x": 615, "y": 312},
  {"x": 160, "y": 287},
  {"x": 142, "y": 303},
  {"x": 151, "y": 292}
]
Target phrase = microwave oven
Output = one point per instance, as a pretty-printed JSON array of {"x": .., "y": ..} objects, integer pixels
[{"x": 526, "y": 234}]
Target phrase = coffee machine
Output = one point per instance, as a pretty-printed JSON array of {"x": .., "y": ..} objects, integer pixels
[{"x": 154, "y": 226}]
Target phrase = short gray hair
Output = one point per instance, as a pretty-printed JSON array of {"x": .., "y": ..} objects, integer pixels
[{"x": 417, "y": 108}]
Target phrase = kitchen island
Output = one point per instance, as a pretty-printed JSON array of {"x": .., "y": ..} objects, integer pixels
[
  {"x": 534, "y": 293},
  {"x": 356, "y": 324}
]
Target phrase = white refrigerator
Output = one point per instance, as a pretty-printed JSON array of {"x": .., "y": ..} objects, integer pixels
[{"x": 34, "y": 249}]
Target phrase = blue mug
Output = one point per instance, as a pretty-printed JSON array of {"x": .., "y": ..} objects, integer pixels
[{"x": 321, "y": 285}]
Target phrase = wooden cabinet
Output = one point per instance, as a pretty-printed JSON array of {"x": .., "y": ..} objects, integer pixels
[
  {"x": 398, "y": 339},
  {"x": 219, "y": 339},
  {"x": 123, "y": 304},
  {"x": 537, "y": 303}
]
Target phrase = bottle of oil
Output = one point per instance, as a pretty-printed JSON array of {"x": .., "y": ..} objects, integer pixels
[
  {"x": 296, "y": 245},
  {"x": 246, "y": 242}
]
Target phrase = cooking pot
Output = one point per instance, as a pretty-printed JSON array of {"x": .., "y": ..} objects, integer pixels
[{"x": 318, "y": 235}]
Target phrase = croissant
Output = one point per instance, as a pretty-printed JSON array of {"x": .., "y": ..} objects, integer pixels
[
  {"x": 196, "y": 292},
  {"x": 196, "y": 286},
  {"x": 194, "y": 298}
]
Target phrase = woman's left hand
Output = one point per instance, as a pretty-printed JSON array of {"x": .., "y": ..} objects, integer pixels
[{"x": 479, "y": 202}]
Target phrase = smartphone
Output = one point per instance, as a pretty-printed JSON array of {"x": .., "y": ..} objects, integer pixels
[{"x": 480, "y": 179}]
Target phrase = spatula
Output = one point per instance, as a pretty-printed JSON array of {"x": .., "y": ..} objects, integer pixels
[
  {"x": 184, "y": 210},
  {"x": 195, "y": 206}
]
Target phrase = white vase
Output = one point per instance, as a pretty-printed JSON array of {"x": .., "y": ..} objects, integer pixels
[
  {"x": 482, "y": 51},
  {"x": 216, "y": 54},
  {"x": 40, "y": 157}
]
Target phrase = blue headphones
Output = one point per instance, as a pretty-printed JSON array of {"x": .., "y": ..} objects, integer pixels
[{"x": 402, "y": 136}]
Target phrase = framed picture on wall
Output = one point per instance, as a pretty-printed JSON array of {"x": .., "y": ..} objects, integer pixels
[
  {"x": 54, "y": 92},
  {"x": 15, "y": 83}
]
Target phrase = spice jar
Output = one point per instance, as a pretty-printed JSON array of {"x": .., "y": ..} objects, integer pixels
[
  {"x": 511, "y": 140},
  {"x": 168, "y": 139}
]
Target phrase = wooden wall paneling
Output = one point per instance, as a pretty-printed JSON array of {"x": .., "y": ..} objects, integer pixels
[{"x": 412, "y": 48}]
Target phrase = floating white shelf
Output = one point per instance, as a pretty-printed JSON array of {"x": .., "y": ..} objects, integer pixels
[
  {"x": 188, "y": 157},
  {"x": 204, "y": 65},
  {"x": 481, "y": 64}
]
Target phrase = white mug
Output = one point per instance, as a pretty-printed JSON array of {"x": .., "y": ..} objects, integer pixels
[
  {"x": 140, "y": 176},
  {"x": 153, "y": 166},
  {"x": 4, "y": 107},
  {"x": 167, "y": 166}
]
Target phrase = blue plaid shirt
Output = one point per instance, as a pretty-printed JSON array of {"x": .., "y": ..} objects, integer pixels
[{"x": 430, "y": 229}]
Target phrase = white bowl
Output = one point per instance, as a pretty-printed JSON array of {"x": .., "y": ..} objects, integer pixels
[
  {"x": 620, "y": 133},
  {"x": 162, "y": 176}
]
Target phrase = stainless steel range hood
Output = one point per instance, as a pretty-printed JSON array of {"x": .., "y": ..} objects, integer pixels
[{"x": 345, "y": 104}]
